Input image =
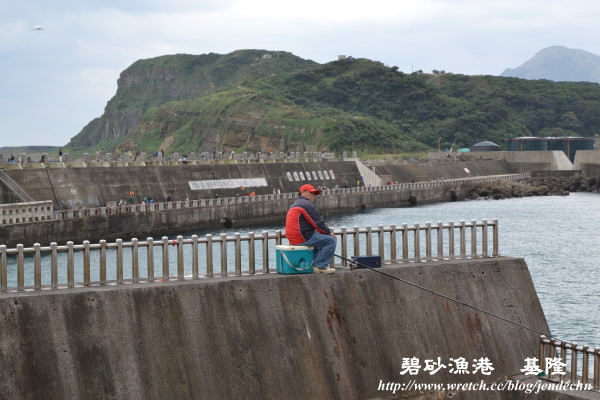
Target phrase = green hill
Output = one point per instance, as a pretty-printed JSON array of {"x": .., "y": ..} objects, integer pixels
[
  {"x": 152, "y": 82},
  {"x": 353, "y": 104}
]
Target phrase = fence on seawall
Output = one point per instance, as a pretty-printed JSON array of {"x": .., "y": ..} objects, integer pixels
[
  {"x": 571, "y": 362},
  {"x": 92, "y": 265},
  {"x": 150, "y": 207}
]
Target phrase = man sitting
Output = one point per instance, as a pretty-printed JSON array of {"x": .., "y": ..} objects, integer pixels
[{"x": 305, "y": 226}]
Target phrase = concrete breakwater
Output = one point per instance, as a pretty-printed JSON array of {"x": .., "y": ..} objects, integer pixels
[
  {"x": 71, "y": 187},
  {"x": 270, "y": 336},
  {"x": 144, "y": 224},
  {"x": 97, "y": 186}
]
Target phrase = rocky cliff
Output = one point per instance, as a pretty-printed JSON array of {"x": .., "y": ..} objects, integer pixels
[{"x": 152, "y": 82}]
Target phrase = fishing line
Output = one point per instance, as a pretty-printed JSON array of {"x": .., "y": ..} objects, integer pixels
[{"x": 446, "y": 297}]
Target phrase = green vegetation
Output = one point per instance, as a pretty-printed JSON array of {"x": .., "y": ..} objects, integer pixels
[{"x": 243, "y": 101}]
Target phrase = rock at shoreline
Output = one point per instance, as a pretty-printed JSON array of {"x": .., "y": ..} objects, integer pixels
[{"x": 538, "y": 186}]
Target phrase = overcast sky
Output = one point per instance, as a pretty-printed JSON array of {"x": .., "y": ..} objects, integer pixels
[{"x": 55, "y": 80}]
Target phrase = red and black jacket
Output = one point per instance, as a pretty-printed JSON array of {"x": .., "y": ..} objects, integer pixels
[{"x": 303, "y": 219}]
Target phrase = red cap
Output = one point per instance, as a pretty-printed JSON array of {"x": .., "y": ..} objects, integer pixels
[{"x": 310, "y": 188}]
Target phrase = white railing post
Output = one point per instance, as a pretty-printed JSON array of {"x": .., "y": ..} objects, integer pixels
[
  {"x": 3, "y": 269},
  {"x": 209, "y": 256},
  {"x": 451, "y": 241},
  {"x": 440, "y": 240},
  {"x": 484, "y": 239},
  {"x": 135, "y": 266},
  {"x": 119, "y": 261},
  {"x": 223, "y": 254},
  {"x": 150, "y": 258},
  {"x": 103, "y": 261},
  {"x": 20, "y": 269},
  {"x": 417, "y": 243},
  {"x": 195, "y": 274},
  {"x": 251, "y": 254},
  {"x": 473, "y": 238},
  {"x": 495, "y": 246},
  {"x": 405, "y": 243},
  {"x": 344, "y": 246},
  {"x": 393, "y": 256},
  {"x": 86, "y": 263},
  {"x": 265, "y": 251},
  {"x": 165, "y": 258},
  {"x": 180, "y": 265},
  {"x": 37, "y": 268}
]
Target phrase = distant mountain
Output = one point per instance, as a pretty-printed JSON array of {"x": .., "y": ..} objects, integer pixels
[{"x": 558, "y": 63}]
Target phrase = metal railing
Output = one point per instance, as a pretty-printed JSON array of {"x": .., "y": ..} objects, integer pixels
[
  {"x": 54, "y": 267},
  {"x": 582, "y": 362},
  {"x": 222, "y": 201},
  {"x": 12, "y": 185}
]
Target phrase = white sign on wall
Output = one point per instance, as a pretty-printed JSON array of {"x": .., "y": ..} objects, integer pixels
[{"x": 227, "y": 183}]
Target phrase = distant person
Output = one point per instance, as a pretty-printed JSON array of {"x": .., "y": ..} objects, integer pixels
[
  {"x": 43, "y": 159},
  {"x": 60, "y": 154},
  {"x": 305, "y": 226}
]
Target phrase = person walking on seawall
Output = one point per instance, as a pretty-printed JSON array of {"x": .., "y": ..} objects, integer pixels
[{"x": 305, "y": 226}]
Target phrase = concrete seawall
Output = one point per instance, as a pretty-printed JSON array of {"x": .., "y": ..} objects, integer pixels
[
  {"x": 96, "y": 186},
  {"x": 517, "y": 161},
  {"x": 70, "y": 187},
  {"x": 268, "y": 336},
  {"x": 155, "y": 223},
  {"x": 588, "y": 161}
]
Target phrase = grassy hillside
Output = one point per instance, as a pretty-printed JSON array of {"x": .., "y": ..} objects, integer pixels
[
  {"x": 353, "y": 104},
  {"x": 243, "y": 118}
]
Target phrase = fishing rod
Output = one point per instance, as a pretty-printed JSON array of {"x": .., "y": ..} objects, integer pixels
[{"x": 353, "y": 262}]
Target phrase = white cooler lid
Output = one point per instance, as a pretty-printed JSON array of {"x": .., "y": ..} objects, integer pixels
[{"x": 284, "y": 247}]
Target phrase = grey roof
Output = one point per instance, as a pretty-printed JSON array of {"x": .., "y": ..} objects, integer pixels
[{"x": 485, "y": 144}]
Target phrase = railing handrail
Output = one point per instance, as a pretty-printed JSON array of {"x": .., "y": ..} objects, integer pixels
[
  {"x": 160, "y": 206},
  {"x": 570, "y": 355},
  {"x": 12, "y": 185},
  {"x": 404, "y": 244}
]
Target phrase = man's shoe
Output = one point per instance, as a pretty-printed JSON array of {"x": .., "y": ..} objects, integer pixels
[{"x": 327, "y": 270}]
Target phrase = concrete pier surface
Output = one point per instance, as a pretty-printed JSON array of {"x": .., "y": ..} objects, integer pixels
[{"x": 313, "y": 336}]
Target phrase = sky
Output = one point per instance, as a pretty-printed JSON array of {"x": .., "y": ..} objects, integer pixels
[{"x": 55, "y": 80}]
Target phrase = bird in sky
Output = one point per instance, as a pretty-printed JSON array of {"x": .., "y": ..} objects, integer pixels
[{"x": 37, "y": 28}]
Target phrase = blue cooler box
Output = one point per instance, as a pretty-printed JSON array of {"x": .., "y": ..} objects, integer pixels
[
  {"x": 294, "y": 259},
  {"x": 369, "y": 261}
]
